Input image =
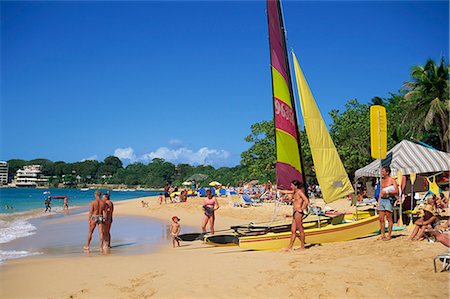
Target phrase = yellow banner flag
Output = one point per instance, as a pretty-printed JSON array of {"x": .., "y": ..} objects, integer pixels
[{"x": 378, "y": 132}]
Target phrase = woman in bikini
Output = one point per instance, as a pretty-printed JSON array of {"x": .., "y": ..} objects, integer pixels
[
  {"x": 299, "y": 205},
  {"x": 210, "y": 205},
  {"x": 109, "y": 208}
]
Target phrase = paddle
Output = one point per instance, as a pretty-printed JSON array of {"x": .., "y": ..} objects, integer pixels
[
  {"x": 412, "y": 177},
  {"x": 399, "y": 183}
]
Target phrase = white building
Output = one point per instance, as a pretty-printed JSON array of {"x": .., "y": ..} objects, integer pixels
[
  {"x": 3, "y": 173},
  {"x": 29, "y": 176}
]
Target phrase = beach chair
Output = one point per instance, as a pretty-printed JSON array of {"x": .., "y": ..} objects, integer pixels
[
  {"x": 248, "y": 200},
  {"x": 223, "y": 192},
  {"x": 445, "y": 259},
  {"x": 202, "y": 192}
]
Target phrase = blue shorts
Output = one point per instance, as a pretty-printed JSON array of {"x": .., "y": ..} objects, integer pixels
[{"x": 385, "y": 205}]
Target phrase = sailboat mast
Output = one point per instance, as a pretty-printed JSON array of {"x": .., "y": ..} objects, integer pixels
[
  {"x": 291, "y": 91},
  {"x": 289, "y": 164}
]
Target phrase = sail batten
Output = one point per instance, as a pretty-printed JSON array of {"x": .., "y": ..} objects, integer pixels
[
  {"x": 330, "y": 171},
  {"x": 289, "y": 163}
]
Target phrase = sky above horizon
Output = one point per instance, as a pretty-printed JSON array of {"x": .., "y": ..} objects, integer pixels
[{"x": 184, "y": 81}]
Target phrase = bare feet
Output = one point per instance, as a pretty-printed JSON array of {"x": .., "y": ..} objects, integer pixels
[
  {"x": 86, "y": 248},
  {"x": 300, "y": 248},
  {"x": 381, "y": 238},
  {"x": 387, "y": 239},
  {"x": 287, "y": 250}
]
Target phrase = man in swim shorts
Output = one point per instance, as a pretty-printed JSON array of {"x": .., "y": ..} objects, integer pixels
[{"x": 97, "y": 214}]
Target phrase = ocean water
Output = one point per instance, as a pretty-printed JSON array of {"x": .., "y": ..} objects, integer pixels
[{"x": 22, "y": 213}]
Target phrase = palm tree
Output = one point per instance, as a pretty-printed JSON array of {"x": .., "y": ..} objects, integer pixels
[{"x": 427, "y": 101}]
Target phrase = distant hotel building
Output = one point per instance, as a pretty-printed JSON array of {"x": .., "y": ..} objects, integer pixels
[
  {"x": 30, "y": 176},
  {"x": 3, "y": 173}
]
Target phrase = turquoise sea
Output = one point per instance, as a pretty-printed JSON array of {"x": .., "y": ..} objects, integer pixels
[
  {"x": 26, "y": 230},
  {"x": 27, "y": 199}
]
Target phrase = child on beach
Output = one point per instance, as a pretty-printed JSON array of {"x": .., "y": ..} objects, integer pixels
[
  {"x": 175, "y": 231},
  {"x": 160, "y": 198}
]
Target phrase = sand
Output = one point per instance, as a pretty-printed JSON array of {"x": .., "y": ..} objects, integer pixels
[{"x": 364, "y": 268}]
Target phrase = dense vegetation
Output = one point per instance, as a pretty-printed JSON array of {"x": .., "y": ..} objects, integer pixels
[{"x": 420, "y": 109}]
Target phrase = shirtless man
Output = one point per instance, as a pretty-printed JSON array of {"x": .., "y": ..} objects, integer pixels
[
  {"x": 175, "y": 231},
  {"x": 109, "y": 208},
  {"x": 299, "y": 205},
  {"x": 96, "y": 216},
  {"x": 388, "y": 191}
]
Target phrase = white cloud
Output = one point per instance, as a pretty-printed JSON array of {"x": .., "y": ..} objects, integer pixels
[
  {"x": 176, "y": 142},
  {"x": 93, "y": 157},
  {"x": 125, "y": 154},
  {"x": 204, "y": 156}
]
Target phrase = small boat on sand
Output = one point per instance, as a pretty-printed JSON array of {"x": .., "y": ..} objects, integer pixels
[{"x": 330, "y": 233}]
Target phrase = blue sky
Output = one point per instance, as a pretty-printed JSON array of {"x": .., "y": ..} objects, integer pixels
[{"x": 184, "y": 81}]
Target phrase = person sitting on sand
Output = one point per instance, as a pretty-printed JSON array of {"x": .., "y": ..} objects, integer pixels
[
  {"x": 109, "y": 209},
  {"x": 428, "y": 221},
  {"x": 144, "y": 204},
  {"x": 299, "y": 206},
  {"x": 175, "y": 229},
  {"x": 389, "y": 189},
  {"x": 442, "y": 201},
  {"x": 210, "y": 205},
  {"x": 96, "y": 216}
]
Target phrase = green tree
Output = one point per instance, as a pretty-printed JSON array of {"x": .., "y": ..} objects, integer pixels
[
  {"x": 113, "y": 161},
  {"x": 13, "y": 166},
  {"x": 428, "y": 101},
  {"x": 260, "y": 158},
  {"x": 350, "y": 132}
]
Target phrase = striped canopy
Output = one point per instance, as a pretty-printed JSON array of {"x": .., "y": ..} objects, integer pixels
[{"x": 408, "y": 157}]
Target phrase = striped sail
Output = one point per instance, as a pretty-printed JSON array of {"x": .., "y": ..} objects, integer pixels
[
  {"x": 331, "y": 175},
  {"x": 289, "y": 162}
]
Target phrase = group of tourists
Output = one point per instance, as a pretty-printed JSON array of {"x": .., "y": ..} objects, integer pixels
[{"x": 100, "y": 214}]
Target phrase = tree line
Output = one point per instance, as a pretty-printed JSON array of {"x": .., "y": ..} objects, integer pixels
[{"x": 420, "y": 109}]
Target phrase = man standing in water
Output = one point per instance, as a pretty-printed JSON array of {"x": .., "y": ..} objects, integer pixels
[
  {"x": 299, "y": 205},
  {"x": 388, "y": 191},
  {"x": 96, "y": 216},
  {"x": 109, "y": 208},
  {"x": 48, "y": 202}
]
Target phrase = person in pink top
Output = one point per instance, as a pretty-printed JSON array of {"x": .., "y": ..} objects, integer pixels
[{"x": 210, "y": 205}]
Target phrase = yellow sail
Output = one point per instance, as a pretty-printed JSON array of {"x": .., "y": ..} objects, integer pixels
[{"x": 330, "y": 171}]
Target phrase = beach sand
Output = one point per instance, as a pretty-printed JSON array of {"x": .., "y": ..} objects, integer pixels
[{"x": 364, "y": 268}]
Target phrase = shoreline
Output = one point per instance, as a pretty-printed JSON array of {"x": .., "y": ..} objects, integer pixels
[{"x": 360, "y": 268}]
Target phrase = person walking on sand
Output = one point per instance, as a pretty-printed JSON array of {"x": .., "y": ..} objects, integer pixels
[
  {"x": 96, "y": 216},
  {"x": 66, "y": 203},
  {"x": 166, "y": 192},
  {"x": 299, "y": 205},
  {"x": 210, "y": 205},
  {"x": 48, "y": 202},
  {"x": 109, "y": 210},
  {"x": 175, "y": 229},
  {"x": 388, "y": 191}
]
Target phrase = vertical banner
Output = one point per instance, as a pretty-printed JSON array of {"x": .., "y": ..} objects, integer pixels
[{"x": 378, "y": 132}]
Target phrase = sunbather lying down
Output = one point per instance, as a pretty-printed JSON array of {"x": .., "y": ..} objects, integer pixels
[{"x": 440, "y": 235}]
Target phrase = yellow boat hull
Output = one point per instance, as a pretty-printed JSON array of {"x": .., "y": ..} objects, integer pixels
[
  {"x": 361, "y": 215},
  {"x": 327, "y": 234}
]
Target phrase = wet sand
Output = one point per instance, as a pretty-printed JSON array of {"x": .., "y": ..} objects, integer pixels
[{"x": 364, "y": 268}]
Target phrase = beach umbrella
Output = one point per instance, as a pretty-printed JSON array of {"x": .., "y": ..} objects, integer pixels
[
  {"x": 186, "y": 183},
  {"x": 198, "y": 177},
  {"x": 214, "y": 183},
  {"x": 254, "y": 182}
]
